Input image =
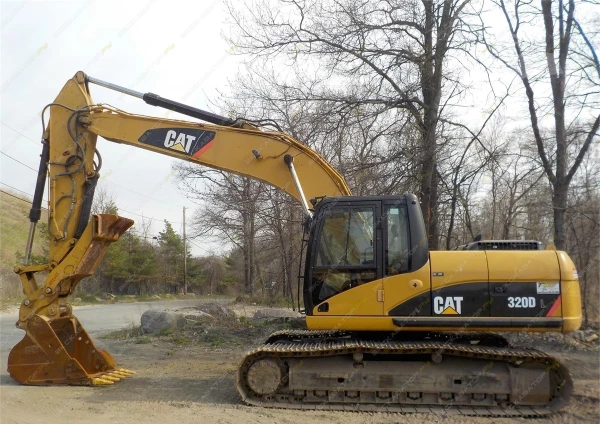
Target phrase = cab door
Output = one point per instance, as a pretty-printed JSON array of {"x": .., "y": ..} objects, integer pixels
[
  {"x": 407, "y": 278},
  {"x": 345, "y": 276}
]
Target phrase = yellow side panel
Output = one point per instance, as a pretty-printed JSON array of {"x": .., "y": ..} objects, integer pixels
[
  {"x": 399, "y": 288},
  {"x": 570, "y": 293},
  {"x": 457, "y": 267},
  {"x": 534, "y": 265},
  {"x": 361, "y": 300}
]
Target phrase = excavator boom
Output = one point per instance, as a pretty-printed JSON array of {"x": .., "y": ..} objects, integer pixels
[{"x": 56, "y": 349}]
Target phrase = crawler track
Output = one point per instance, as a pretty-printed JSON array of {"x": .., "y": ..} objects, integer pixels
[{"x": 284, "y": 375}]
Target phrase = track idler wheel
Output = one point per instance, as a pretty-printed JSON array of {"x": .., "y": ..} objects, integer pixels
[
  {"x": 265, "y": 376},
  {"x": 60, "y": 351}
]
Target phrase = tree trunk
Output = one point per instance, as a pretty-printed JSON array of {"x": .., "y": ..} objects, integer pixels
[
  {"x": 559, "y": 203},
  {"x": 247, "y": 255},
  {"x": 452, "y": 214}
]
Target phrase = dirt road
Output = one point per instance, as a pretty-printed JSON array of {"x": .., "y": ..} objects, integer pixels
[
  {"x": 183, "y": 381},
  {"x": 98, "y": 319}
]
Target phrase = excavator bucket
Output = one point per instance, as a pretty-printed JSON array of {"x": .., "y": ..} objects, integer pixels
[
  {"x": 61, "y": 352},
  {"x": 57, "y": 349}
]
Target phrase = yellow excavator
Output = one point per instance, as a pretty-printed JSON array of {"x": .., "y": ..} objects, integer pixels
[{"x": 391, "y": 325}]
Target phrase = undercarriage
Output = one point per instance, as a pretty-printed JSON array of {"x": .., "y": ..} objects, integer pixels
[{"x": 444, "y": 373}]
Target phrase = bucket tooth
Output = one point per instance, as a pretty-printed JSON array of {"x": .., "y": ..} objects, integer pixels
[
  {"x": 110, "y": 378},
  {"x": 115, "y": 374},
  {"x": 120, "y": 374},
  {"x": 101, "y": 382},
  {"x": 126, "y": 371}
]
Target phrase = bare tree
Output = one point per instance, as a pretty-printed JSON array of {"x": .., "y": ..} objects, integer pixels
[
  {"x": 104, "y": 201},
  {"x": 229, "y": 205},
  {"x": 571, "y": 72},
  {"x": 390, "y": 55}
]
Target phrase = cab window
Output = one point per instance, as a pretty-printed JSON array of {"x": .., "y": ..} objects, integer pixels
[
  {"x": 347, "y": 237},
  {"x": 346, "y": 251},
  {"x": 397, "y": 253}
]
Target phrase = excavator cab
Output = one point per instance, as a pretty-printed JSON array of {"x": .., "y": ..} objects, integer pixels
[{"x": 353, "y": 241}]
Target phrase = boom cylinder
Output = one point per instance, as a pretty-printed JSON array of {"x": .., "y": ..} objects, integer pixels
[{"x": 156, "y": 100}]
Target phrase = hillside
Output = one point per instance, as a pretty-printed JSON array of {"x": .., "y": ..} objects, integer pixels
[{"x": 14, "y": 226}]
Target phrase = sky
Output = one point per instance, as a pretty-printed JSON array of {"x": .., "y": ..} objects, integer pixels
[{"x": 171, "y": 48}]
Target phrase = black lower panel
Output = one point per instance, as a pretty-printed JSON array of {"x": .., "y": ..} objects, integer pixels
[
  {"x": 449, "y": 322},
  {"x": 482, "y": 299},
  {"x": 419, "y": 305},
  {"x": 468, "y": 299},
  {"x": 519, "y": 299}
]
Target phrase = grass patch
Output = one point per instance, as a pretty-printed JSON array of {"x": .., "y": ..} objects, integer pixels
[
  {"x": 14, "y": 227},
  {"x": 180, "y": 339},
  {"x": 245, "y": 321},
  {"x": 165, "y": 332},
  {"x": 91, "y": 299},
  {"x": 215, "y": 340},
  {"x": 127, "y": 333}
]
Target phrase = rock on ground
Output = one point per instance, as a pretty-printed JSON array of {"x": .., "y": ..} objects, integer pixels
[
  {"x": 198, "y": 317},
  {"x": 156, "y": 321},
  {"x": 219, "y": 312}
]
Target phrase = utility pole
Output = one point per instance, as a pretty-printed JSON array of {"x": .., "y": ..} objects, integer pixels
[{"x": 184, "y": 257}]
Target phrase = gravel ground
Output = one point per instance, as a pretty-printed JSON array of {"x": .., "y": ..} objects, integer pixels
[{"x": 190, "y": 378}]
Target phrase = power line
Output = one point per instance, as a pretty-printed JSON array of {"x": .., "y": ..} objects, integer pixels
[
  {"x": 148, "y": 217},
  {"x": 118, "y": 185},
  {"x": 16, "y": 197},
  {"x": 133, "y": 213},
  {"x": 16, "y": 189},
  {"x": 107, "y": 180},
  {"x": 16, "y": 160},
  {"x": 140, "y": 194},
  {"x": 201, "y": 248},
  {"x": 20, "y": 133}
]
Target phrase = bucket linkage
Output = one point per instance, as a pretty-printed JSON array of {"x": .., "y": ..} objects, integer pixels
[{"x": 56, "y": 348}]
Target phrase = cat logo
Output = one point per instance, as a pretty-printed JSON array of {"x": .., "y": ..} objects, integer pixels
[
  {"x": 447, "y": 305},
  {"x": 190, "y": 141},
  {"x": 181, "y": 141}
]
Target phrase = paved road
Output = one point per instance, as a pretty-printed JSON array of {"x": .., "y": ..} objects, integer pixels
[{"x": 97, "y": 319}]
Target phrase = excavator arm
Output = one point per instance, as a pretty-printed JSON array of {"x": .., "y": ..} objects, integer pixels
[{"x": 56, "y": 349}]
